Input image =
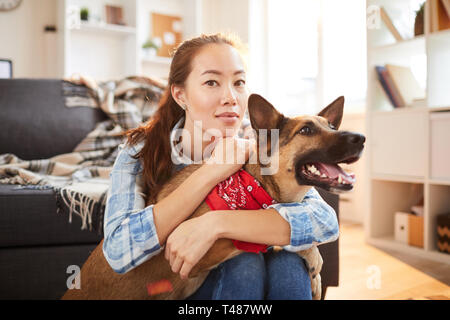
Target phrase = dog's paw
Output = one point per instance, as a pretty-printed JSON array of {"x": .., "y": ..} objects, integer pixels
[
  {"x": 316, "y": 288},
  {"x": 313, "y": 261}
]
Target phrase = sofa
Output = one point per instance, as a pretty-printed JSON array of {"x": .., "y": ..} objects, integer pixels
[{"x": 38, "y": 246}]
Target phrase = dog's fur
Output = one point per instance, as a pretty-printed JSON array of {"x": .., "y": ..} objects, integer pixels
[{"x": 99, "y": 281}]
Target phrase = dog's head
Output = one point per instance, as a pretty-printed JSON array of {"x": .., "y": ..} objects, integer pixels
[{"x": 310, "y": 147}]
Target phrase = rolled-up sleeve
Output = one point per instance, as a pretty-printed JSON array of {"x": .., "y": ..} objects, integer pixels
[
  {"x": 312, "y": 221},
  {"x": 130, "y": 236}
]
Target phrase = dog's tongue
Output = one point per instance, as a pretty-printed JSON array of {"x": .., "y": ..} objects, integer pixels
[{"x": 333, "y": 171}]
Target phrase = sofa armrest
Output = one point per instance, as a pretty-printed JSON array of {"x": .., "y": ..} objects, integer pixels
[{"x": 330, "y": 251}]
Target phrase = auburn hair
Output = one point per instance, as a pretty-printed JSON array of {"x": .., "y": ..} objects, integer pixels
[{"x": 156, "y": 152}]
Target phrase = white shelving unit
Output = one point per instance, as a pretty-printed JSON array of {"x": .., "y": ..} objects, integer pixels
[
  {"x": 106, "y": 51},
  {"x": 103, "y": 28},
  {"x": 406, "y": 145}
]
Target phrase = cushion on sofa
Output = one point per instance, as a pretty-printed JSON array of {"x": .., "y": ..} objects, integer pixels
[
  {"x": 39, "y": 272},
  {"x": 35, "y": 122},
  {"x": 29, "y": 218}
]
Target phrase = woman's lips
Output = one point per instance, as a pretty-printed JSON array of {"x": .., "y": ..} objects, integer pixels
[{"x": 228, "y": 117}]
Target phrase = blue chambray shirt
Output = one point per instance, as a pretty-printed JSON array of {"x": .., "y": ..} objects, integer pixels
[{"x": 130, "y": 236}]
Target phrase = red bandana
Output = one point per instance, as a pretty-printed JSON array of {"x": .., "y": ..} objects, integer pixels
[{"x": 241, "y": 191}]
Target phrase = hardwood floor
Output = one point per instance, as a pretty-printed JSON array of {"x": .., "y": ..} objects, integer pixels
[{"x": 369, "y": 273}]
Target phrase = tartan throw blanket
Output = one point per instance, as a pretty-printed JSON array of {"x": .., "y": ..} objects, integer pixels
[{"x": 80, "y": 179}]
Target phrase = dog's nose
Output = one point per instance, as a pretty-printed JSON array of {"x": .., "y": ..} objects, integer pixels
[{"x": 355, "y": 138}]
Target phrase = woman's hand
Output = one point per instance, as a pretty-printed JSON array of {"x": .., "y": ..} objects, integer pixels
[
  {"x": 189, "y": 242},
  {"x": 229, "y": 155}
]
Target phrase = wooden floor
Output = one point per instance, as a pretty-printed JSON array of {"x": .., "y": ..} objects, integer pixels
[{"x": 369, "y": 273}]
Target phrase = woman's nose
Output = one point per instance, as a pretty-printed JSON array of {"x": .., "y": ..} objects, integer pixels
[{"x": 229, "y": 97}]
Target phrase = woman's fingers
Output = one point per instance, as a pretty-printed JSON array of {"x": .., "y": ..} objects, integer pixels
[
  {"x": 188, "y": 243},
  {"x": 176, "y": 264},
  {"x": 186, "y": 269}
]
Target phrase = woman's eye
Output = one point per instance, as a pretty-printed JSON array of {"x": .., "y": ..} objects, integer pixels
[
  {"x": 240, "y": 83},
  {"x": 211, "y": 83},
  {"x": 305, "y": 130}
]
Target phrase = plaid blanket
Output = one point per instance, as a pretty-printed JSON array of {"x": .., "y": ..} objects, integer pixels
[{"x": 80, "y": 179}]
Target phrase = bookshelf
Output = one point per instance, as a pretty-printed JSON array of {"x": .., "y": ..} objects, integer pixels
[
  {"x": 407, "y": 147},
  {"x": 106, "y": 51}
]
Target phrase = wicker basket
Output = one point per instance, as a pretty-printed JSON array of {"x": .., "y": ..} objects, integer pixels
[{"x": 443, "y": 232}]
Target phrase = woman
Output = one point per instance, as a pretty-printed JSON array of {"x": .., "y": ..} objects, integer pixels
[{"x": 206, "y": 90}]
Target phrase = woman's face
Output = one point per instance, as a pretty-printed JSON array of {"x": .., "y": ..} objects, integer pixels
[{"x": 215, "y": 91}]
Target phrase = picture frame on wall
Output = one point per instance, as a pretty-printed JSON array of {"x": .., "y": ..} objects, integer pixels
[
  {"x": 114, "y": 15},
  {"x": 166, "y": 30},
  {"x": 6, "y": 69}
]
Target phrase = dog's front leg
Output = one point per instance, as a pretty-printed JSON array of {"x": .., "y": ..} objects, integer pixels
[{"x": 314, "y": 262}]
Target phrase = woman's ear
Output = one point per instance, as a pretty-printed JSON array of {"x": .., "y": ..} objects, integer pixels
[{"x": 178, "y": 94}]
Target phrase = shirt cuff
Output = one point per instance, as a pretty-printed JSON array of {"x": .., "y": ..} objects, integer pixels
[{"x": 301, "y": 228}]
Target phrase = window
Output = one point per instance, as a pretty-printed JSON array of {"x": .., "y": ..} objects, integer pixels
[{"x": 315, "y": 52}]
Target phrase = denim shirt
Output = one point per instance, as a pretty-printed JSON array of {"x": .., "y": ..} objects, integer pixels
[{"x": 130, "y": 236}]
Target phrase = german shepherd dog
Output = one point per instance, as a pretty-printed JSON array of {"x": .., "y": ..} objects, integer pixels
[{"x": 310, "y": 149}]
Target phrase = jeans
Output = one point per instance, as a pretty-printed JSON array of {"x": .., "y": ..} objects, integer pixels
[{"x": 274, "y": 275}]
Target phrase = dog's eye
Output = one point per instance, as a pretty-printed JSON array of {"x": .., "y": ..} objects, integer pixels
[{"x": 305, "y": 130}]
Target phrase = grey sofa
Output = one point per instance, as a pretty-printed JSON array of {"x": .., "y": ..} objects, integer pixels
[{"x": 37, "y": 244}]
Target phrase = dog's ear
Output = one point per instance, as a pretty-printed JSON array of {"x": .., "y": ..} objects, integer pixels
[
  {"x": 334, "y": 112},
  {"x": 262, "y": 114}
]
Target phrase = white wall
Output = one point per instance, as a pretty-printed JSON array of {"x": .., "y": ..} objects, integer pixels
[
  {"x": 22, "y": 37},
  {"x": 223, "y": 16}
]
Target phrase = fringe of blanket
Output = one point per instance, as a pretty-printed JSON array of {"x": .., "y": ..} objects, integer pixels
[{"x": 90, "y": 211}]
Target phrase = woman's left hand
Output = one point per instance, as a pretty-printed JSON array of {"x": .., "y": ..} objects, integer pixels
[{"x": 189, "y": 242}]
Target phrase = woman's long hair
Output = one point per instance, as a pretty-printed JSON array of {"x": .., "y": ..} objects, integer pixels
[{"x": 156, "y": 152}]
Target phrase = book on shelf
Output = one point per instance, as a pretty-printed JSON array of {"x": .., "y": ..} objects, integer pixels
[
  {"x": 389, "y": 87},
  {"x": 390, "y": 25},
  {"x": 405, "y": 83},
  {"x": 440, "y": 15},
  {"x": 400, "y": 85}
]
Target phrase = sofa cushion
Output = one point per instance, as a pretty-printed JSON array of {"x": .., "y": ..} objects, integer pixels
[
  {"x": 35, "y": 122},
  {"x": 39, "y": 272},
  {"x": 29, "y": 218}
]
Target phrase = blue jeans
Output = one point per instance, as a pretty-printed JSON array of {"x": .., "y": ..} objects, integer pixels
[{"x": 274, "y": 275}]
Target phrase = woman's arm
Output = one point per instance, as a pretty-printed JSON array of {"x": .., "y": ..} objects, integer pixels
[
  {"x": 134, "y": 233},
  {"x": 258, "y": 226},
  {"x": 295, "y": 226}
]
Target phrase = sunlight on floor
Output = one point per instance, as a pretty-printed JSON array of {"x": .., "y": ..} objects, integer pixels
[{"x": 369, "y": 273}]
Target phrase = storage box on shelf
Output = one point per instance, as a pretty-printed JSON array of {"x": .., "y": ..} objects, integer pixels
[
  {"x": 438, "y": 205},
  {"x": 443, "y": 233},
  {"x": 409, "y": 229},
  {"x": 408, "y": 150}
]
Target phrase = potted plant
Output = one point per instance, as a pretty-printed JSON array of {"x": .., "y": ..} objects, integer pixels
[
  {"x": 150, "y": 48},
  {"x": 84, "y": 14}
]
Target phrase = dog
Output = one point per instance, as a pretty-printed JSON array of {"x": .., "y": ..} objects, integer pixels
[{"x": 309, "y": 151}]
